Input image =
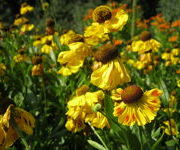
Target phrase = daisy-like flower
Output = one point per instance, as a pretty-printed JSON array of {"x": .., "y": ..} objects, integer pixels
[
  {"x": 135, "y": 106},
  {"x": 145, "y": 44},
  {"x": 20, "y": 21},
  {"x": 113, "y": 21},
  {"x": 80, "y": 110},
  {"x": 70, "y": 37},
  {"x": 171, "y": 58},
  {"x": 170, "y": 127},
  {"x": 95, "y": 34},
  {"x": 73, "y": 59},
  {"x": 105, "y": 21},
  {"x": 25, "y": 8},
  {"x": 24, "y": 121},
  {"x": 112, "y": 71},
  {"x": 37, "y": 70},
  {"x": 27, "y": 27},
  {"x": 38, "y": 67}
]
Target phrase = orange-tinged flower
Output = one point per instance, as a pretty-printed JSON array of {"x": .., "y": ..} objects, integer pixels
[
  {"x": 137, "y": 107},
  {"x": 117, "y": 42},
  {"x": 173, "y": 38},
  {"x": 175, "y": 23}
]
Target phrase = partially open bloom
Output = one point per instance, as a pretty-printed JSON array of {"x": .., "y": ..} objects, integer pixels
[
  {"x": 37, "y": 70},
  {"x": 95, "y": 34},
  {"x": 105, "y": 21},
  {"x": 113, "y": 21},
  {"x": 112, "y": 72},
  {"x": 70, "y": 37},
  {"x": 170, "y": 127},
  {"x": 136, "y": 106},
  {"x": 27, "y": 27},
  {"x": 20, "y": 21},
  {"x": 20, "y": 58},
  {"x": 73, "y": 59},
  {"x": 171, "y": 58},
  {"x": 24, "y": 121},
  {"x": 145, "y": 44},
  {"x": 80, "y": 111},
  {"x": 25, "y": 8}
]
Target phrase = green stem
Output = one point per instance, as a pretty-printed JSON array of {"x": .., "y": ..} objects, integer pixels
[
  {"x": 133, "y": 18},
  {"x": 122, "y": 129},
  {"x": 99, "y": 137}
]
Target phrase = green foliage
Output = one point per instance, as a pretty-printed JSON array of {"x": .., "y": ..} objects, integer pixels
[{"x": 170, "y": 9}]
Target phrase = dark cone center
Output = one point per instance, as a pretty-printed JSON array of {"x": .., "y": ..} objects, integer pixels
[{"x": 131, "y": 94}]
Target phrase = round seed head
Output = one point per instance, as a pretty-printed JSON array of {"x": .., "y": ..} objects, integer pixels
[{"x": 131, "y": 94}]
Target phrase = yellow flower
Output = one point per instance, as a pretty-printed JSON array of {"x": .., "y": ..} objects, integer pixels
[
  {"x": 25, "y": 8},
  {"x": 2, "y": 69},
  {"x": 116, "y": 94},
  {"x": 37, "y": 43},
  {"x": 23, "y": 119},
  {"x": 110, "y": 75},
  {"x": 144, "y": 46},
  {"x": 46, "y": 49},
  {"x": 74, "y": 125},
  {"x": 20, "y": 21},
  {"x": 70, "y": 37},
  {"x": 73, "y": 59},
  {"x": 166, "y": 56},
  {"x": 113, "y": 21},
  {"x": 20, "y": 58},
  {"x": 95, "y": 34},
  {"x": 46, "y": 39},
  {"x": 80, "y": 111},
  {"x": 27, "y": 27},
  {"x": 8, "y": 136},
  {"x": 178, "y": 83},
  {"x": 170, "y": 127},
  {"x": 37, "y": 70},
  {"x": 175, "y": 51},
  {"x": 137, "y": 107},
  {"x": 96, "y": 120}
]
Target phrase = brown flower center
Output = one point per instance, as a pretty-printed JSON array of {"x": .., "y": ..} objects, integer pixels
[
  {"x": 145, "y": 36},
  {"x": 131, "y": 94},
  {"x": 101, "y": 14},
  {"x": 36, "y": 60},
  {"x": 50, "y": 22},
  {"x": 106, "y": 53}
]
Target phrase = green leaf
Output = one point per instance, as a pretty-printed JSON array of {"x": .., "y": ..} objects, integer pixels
[
  {"x": 155, "y": 133},
  {"x": 96, "y": 145},
  {"x": 18, "y": 99},
  {"x": 155, "y": 145},
  {"x": 171, "y": 143},
  {"x": 165, "y": 96}
]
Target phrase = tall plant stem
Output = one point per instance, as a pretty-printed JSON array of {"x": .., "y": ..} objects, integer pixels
[{"x": 99, "y": 137}]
